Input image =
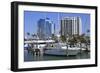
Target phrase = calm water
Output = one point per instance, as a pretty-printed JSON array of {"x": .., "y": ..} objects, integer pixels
[{"x": 28, "y": 56}]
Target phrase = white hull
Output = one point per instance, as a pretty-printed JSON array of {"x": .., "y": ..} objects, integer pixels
[{"x": 70, "y": 51}]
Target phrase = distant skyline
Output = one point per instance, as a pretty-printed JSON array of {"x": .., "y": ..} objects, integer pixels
[{"x": 31, "y": 18}]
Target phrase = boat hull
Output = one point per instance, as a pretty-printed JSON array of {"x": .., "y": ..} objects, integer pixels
[{"x": 61, "y": 52}]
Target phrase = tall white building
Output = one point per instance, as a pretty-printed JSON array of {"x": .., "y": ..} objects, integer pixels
[{"x": 71, "y": 26}]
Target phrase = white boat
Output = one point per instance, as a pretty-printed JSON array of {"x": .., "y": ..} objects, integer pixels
[{"x": 61, "y": 50}]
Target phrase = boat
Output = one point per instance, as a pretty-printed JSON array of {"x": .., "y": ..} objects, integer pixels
[{"x": 61, "y": 50}]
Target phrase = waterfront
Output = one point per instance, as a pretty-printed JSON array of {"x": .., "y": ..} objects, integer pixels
[
  {"x": 28, "y": 57},
  {"x": 56, "y": 36}
]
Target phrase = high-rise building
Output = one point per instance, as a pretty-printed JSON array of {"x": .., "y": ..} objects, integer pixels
[
  {"x": 71, "y": 26},
  {"x": 44, "y": 28}
]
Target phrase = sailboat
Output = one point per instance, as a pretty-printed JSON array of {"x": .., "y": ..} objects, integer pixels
[{"x": 60, "y": 49}]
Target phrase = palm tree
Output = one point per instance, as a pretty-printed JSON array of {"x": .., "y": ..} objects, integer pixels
[
  {"x": 87, "y": 42},
  {"x": 28, "y": 34},
  {"x": 88, "y": 31},
  {"x": 70, "y": 42},
  {"x": 73, "y": 39},
  {"x": 54, "y": 37},
  {"x": 82, "y": 40},
  {"x": 87, "y": 39},
  {"x": 65, "y": 40},
  {"x": 34, "y": 36}
]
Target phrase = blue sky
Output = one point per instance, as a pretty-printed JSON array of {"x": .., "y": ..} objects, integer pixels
[{"x": 31, "y": 18}]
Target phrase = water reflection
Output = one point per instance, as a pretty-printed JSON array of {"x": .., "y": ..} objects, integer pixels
[{"x": 29, "y": 56}]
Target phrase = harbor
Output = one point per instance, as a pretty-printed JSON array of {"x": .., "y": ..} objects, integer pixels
[
  {"x": 49, "y": 50},
  {"x": 29, "y": 56},
  {"x": 56, "y": 36}
]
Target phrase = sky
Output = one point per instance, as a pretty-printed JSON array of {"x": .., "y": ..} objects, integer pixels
[{"x": 31, "y": 18}]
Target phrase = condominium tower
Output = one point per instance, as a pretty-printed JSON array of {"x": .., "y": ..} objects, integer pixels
[{"x": 71, "y": 26}]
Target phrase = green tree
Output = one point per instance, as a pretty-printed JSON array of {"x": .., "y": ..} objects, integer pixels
[
  {"x": 88, "y": 31},
  {"x": 54, "y": 37},
  {"x": 73, "y": 40},
  {"x": 87, "y": 43},
  {"x": 64, "y": 39},
  {"x": 28, "y": 35},
  {"x": 82, "y": 40},
  {"x": 34, "y": 36}
]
